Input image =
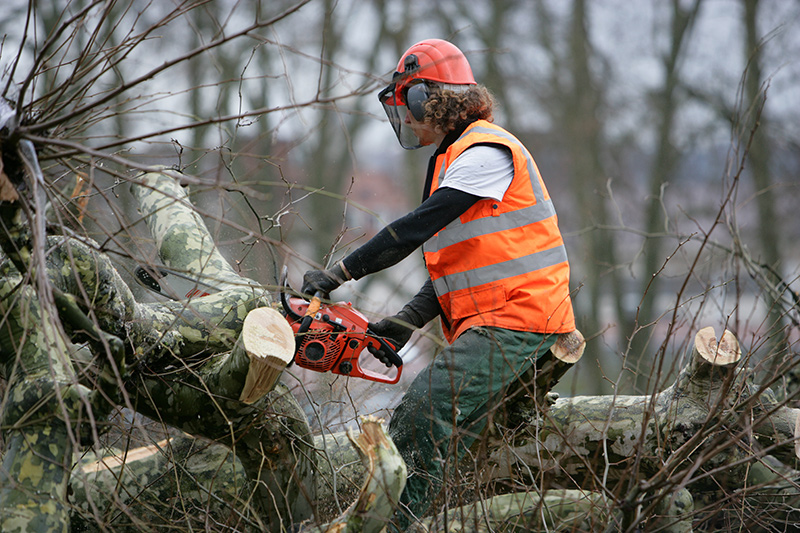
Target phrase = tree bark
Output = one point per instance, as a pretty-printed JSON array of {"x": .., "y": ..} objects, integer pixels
[
  {"x": 179, "y": 482},
  {"x": 385, "y": 478},
  {"x": 222, "y": 397},
  {"x": 40, "y": 405},
  {"x": 156, "y": 484},
  {"x": 672, "y": 439},
  {"x": 611, "y": 461},
  {"x": 186, "y": 374},
  {"x": 712, "y": 428},
  {"x": 45, "y": 410}
]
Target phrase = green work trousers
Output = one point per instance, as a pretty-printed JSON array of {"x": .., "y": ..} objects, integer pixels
[{"x": 447, "y": 406}]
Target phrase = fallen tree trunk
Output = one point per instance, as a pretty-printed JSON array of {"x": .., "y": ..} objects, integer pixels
[
  {"x": 385, "y": 478},
  {"x": 227, "y": 397},
  {"x": 205, "y": 365},
  {"x": 692, "y": 462},
  {"x": 188, "y": 375},
  {"x": 703, "y": 433},
  {"x": 156, "y": 484},
  {"x": 179, "y": 482},
  {"x": 41, "y": 413},
  {"x": 46, "y": 411}
]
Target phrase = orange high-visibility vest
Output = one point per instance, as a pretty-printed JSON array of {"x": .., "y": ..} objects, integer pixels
[{"x": 504, "y": 263}]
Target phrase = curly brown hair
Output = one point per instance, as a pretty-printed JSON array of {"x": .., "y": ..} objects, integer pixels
[{"x": 450, "y": 109}]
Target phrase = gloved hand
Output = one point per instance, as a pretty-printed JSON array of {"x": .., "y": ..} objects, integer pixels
[
  {"x": 398, "y": 329},
  {"x": 323, "y": 281}
]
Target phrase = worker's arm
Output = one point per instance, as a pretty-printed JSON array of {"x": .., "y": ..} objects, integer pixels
[
  {"x": 395, "y": 242},
  {"x": 399, "y": 239},
  {"x": 398, "y": 329}
]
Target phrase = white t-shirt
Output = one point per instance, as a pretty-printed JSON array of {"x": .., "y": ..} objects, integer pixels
[{"x": 483, "y": 170}]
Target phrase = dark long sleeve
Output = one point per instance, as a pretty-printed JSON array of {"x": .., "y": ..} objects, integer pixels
[
  {"x": 399, "y": 239},
  {"x": 423, "y": 307}
]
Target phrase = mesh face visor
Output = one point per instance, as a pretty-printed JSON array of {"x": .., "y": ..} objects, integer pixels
[
  {"x": 393, "y": 100},
  {"x": 411, "y": 96}
]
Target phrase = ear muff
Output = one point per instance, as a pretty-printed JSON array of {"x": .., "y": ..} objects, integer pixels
[{"x": 416, "y": 96}]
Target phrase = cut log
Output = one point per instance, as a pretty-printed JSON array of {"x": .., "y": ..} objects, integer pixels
[
  {"x": 569, "y": 347},
  {"x": 725, "y": 353},
  {"x": 268, "y": 341},
  {"x": 385, "y": 481},
  {"x": 602, "y": 437},
  {"x": 712, "y": 370},
  {"x": 551, "y": 367}
]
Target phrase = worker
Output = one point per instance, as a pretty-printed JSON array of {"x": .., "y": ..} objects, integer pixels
[{"x": 499, "y": 275}]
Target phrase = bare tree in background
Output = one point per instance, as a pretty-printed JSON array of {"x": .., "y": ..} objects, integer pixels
[
  {"x": 142, "y": 406},
  {"x": 769, "y": 236},
  {"x": 665, "y": 104}
]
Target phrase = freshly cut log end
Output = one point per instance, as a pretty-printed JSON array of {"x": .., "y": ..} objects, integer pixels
[
  {"x": 268, "y": 341},
  {"x": 113, "y": 461},
  {"x": 726, "y": 352},
  {"x": 569, "y": 347}
]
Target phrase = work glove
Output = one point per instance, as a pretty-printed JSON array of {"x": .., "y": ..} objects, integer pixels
[
  {"x": 398, "y": 329},
  {"x": 324, "y": 281}
]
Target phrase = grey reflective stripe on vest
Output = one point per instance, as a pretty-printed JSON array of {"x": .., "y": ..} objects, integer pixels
[
  {"x": 500, "y": 271},
  {"x": 456, "y": 231}
]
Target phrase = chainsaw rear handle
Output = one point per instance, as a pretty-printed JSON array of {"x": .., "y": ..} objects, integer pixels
[{"x": 388, "y": 349}]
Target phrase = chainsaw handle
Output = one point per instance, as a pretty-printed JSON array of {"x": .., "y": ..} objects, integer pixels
[
  {"x": 388, "y": 349},
  {"x": 314, "y": 304},
  {"x": 358, "y": 372}
]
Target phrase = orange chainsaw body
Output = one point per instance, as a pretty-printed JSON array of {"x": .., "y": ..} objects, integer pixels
[{"x": 334, "y": 340}]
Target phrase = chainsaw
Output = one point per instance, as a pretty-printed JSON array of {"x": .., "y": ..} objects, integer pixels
[
  {"x": 328, "y": 336},
  {"x": 332, "y": 337}
]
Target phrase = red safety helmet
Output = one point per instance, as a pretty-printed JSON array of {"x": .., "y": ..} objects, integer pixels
[{"x": 429, "y": 63}]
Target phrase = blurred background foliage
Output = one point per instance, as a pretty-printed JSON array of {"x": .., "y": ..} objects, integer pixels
[{"x": 668, "y": 133}]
